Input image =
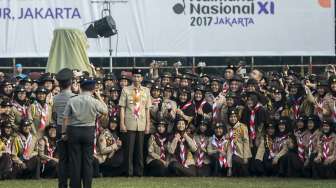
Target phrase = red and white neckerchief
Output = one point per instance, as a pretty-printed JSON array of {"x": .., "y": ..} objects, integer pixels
[
  {"x": 200, "y": 153},
  {"x": 232, "y": 141},
  {"x": 136, "y": 109},
  {"x": 310, "y": 144},
  {"x": 296, "y": 107},
  {"x": 270, "y": 147},
  {"x": 156, "y": 101},
  {"x": 225, "y": 88},
  {"x": 253, "y": 133},
  {"x": 183, "y": 153},
  {"x": 50, "y": 149},
  {"x": 43, "y": 110},
  {"x": 200, "y": 106},
  {"x": 215, "y": 109},
  {"x": 326, "y": 148},
  {"x": 114, "y": 112},
  {"x": 161, "y": 145},
  {"x": 184, "y": 107},
  {"x": 219, "y": 145},
  {"x": 280, "y": 141},
  {"x": 26, "y": 143},
  {"x": 301, "y": 146},
  {"x": 22, "y": 109}
]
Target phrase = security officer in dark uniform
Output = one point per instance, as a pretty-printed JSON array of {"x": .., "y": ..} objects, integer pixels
[
  {"x": 64, "y": 77},
  {"x": 79, "y": 126}
]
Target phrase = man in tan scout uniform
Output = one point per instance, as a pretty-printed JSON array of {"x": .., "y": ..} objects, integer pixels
[{"x": 135, "y": 102}]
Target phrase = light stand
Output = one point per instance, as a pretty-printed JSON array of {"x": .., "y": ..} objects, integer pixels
[{"x": 107, "y": 9}]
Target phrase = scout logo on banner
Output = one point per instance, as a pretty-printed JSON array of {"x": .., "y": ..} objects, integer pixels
[{"x": 176, "y": 27}]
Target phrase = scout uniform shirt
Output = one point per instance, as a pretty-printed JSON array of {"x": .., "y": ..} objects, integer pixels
[
  {"x": 18, "y": 113},
  {"x": 329, "y": 106},
  {"x": 136, "y": 102},
  {"x": 107, "y": 144},
  {"x": 310, "y": 140},
  {"x": 157, "y": 148},
  {"x": 239, "y": 141},
  {"x": 201, "y": 155},
  {"x": 326, "y": 147},
  {"x": 6, "y": 145},
  {"x": 222, "y": 144},
  {"x": 267, "y": 145},
  {"x": 182, "y": 150},
  {"x": 41, "y": 116},
  {"x": 46, "y": 150},
  {"x": 24, "y": 148}
]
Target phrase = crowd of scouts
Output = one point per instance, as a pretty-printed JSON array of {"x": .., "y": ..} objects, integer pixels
[{"x": 265, "y": 124}]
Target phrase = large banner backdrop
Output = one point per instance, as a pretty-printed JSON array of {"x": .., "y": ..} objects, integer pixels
[{"x": 176, "y": 27}]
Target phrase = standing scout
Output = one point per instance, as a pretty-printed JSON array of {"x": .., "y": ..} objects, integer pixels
[
  {"x": 79, "y": 126},
  {"x": 135, "y": 102}
]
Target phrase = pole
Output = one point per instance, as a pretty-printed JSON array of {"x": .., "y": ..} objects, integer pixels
[{"x": 252, "y": 62}]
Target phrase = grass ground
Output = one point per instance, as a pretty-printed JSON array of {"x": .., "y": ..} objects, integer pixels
[{"x": 182, "y": 183}]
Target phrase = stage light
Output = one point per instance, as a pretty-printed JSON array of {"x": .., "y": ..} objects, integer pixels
[{"x": 104, "y": 27}]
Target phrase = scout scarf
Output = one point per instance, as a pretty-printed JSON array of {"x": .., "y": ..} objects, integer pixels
[{"x": 252, "y": 123}]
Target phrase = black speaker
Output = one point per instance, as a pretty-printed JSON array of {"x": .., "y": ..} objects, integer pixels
[{"x": 104, "y": 27}]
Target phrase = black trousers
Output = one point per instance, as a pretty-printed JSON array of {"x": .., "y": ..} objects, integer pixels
[
  {"x": 32, "y": 171},
  {"x": 177, "y": 169},
  {"x": 63, "y": 163},
  {"x": 81, "y": 140},
  {"x": 239, "y": 169},
  {"x": 5, "y": 166},
  {"x": 157, "y": 169},
  {"x": 295, "y": 165},
  {"x": 217, "y": 170},
  {"x": 203, "y": 171},
  {"x": 308, "y": 169},
  {"x": 323, "y": 171},
  {"x": 49, "y": 169},
  {"x": 134, "y": 145},
  {"x": 113, "y": 166}
]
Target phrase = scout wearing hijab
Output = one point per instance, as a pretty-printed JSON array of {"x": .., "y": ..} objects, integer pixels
[
  {"x": 329, "y": 105},
  {"x": 202, "y": 107},
  {"x": 239, "y": 145},
  {"x": 266, "y": 153},
  {"x": 6, "y": 90},
  {"x": 201, "y": 156},
  {"x": 310, "y": 140},
  {"x": 20, "y": 106},
  {"x": 6, "y": 143},
  {"x": 40, "y": 112},
  {"x": 295, "y": 156},
  {"x": 295, "y": 99},
  {"x": 156, "y": 107},
  {"x": 216, "y": 99},
  {"x": 181, "y": 147},
  {"x": 135, "y": 103},
  {"x": 47, "y": 153},
  {"x": 25, "y": 155},
  {"x": 186, "y": 108},
  {"x": 170, "y": 107},
  {"x": 324, "y": 163},
  {"x": 281, "y": 147},
  {"x": 231, "y": 104},
  {"x": 7, "y": 116},
  {"x": 319, "y": 97},
  {"x": 219, "y": 152},
  {"x": 278, "y": 108},
  {"x": 158, "y": 158},
  {"x": 110, "y": 155}
]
